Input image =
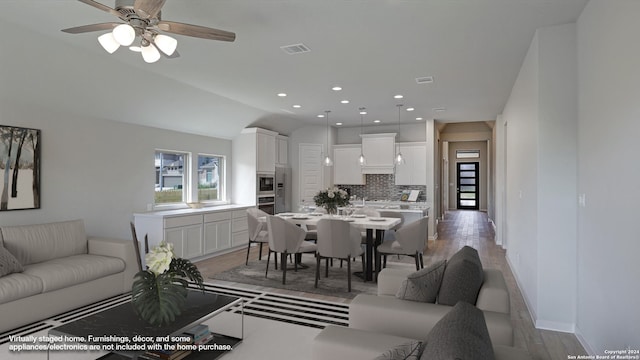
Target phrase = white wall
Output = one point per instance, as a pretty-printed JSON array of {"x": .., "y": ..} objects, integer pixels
[
  {"x": 609, "y": 123},
  {"x": 414, "y": 132},
  {"x": 97, "y": 170},
  {"x": 541, "y": 174}
]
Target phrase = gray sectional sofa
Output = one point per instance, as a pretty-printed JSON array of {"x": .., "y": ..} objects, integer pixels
[
  {"x": 383, "y": 322},
  {"x": 51, "y": 268}
]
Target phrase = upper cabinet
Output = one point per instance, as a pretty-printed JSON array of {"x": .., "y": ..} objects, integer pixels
[
  {"x": 414, "y": 169},
  {"x": 266, "y": 152},
  {"x": 346, "y": 170},
  {"x": 282, "y": 150},
  {"x": 379, "y": 151}
]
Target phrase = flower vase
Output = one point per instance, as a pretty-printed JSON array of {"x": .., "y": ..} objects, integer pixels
[{"x": 331, "y": 209}]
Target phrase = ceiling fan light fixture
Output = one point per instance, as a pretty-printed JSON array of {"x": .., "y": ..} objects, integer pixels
[
  {"x": 150, "y": 53},
  {"x": 124, "y": 34},
  {"x": 108, "y": 43},
  {"x": 166, "y": 44}
]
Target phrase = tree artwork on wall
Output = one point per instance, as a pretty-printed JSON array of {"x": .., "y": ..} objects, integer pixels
[{"x": 19, "y": 168}]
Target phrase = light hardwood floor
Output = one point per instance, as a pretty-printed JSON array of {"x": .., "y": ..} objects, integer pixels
[{"x": 459, "y": 228}]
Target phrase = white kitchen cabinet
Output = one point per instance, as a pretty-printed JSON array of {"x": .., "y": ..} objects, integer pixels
[
  {"x": 379, "y": 151},
  {"x": 185, "y": 233},
  {"x": 282, "y": 150},
  {"x": 195, "y": 233},
  {"x": 217, "y": 231},
  {"x": 346, "y": 170},
  {"x": 266, "y": 152},
  {"x": 414, "y": 169}
]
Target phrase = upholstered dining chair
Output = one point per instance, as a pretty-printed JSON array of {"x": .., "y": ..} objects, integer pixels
[
  {"x": 411, "y": 240},
  {"x": 286, "y": 238},
  {"x": 337, "y": 239},
  {"x": 258, "y": 233},
  {"x": 369, "y": 212},
  {"x": 389, "y": 235},
  {"x": 136, "y": 245}
]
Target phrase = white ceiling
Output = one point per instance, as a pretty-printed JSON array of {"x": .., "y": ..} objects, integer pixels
[{"x": 373, "y": 49}]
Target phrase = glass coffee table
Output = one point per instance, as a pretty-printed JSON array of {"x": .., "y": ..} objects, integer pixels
[{"x": 121, "y": 322}]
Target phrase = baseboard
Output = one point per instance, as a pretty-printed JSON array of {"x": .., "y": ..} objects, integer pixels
[
  {"x": 540, "y": 324},
  {"x": 584, "y": 342}
]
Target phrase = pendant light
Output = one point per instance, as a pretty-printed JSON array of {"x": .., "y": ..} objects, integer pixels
[
  {"x": 399, "y": 158},
  {"x": 361, "y": 160},
  {"x": 327, "y": 159}
]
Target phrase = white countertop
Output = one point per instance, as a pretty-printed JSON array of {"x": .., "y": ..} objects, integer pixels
[{"x": 190, "y": 211}]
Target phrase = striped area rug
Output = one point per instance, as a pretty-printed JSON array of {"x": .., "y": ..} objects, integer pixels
[{"x": 262, "y": 304}]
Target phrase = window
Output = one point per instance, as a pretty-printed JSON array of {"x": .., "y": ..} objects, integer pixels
[
  {"x": 467, "y": 154},
  {"x": 171, "y": 186},
  {"x": 210, "y": 173}
]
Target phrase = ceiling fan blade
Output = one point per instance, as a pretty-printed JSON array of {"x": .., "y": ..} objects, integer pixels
[
  {"x": 105, "y": 8},
  {"x": 90, "y": 28},
  {"x": 196, "y": 31},
  {"x": 172, "y": 56},
  {"x": 148, "y": 8}
]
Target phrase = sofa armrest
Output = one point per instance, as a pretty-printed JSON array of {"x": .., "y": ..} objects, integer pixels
[
  {"x": 390, "y": 279},
  {"x": 494, "y": 295},
  {"x": 122, "y": 249},
  {"x": 415, "y": 320},
  {"x": 337, "y": 342}
]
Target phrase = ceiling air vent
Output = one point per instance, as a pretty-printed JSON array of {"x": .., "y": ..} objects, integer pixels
[
  {"x": 295, "y": 49},
  {"x": 424, "y": 80}
]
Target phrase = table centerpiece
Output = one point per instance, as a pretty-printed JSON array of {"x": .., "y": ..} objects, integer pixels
[{"x": 331, "y": 198}]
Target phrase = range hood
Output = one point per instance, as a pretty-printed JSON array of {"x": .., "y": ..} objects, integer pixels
[{"x": 379, "y": 151}]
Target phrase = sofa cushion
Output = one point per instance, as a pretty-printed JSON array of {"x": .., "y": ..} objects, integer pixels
[
  {"x": 8, "y": 263},
  {"x": 71, "y": 270},
  {"x": 408, "y": 351},
  {"x": 18, "y": 286},
  {"x": 423, "y": 285},
  {"x": 37, "y": 243},
  {"x": 461, "y": 334},
  {"x": 462, "y": 278}
]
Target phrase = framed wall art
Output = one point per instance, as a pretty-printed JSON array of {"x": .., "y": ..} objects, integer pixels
[{"x": 19, "y": 168}]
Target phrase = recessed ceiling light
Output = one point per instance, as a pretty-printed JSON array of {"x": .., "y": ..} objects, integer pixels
[
  {"x": 344, "y": 101},
  {"x": 410, "y": 109},
  {"x": 398, "y": 96},
  {"x": 320, "y": 115},
  {"x": 282, "y": 94},
  {"x": 376, "y": 121},
  {"x": 296, "y": 106},
  {"x": 338, "y": 123},
  {"x": 439, "y": 109},
  {"x": 418, "y": 118},
  {"x": 363, "y": 112},
  {"x": 336, "y": 88}
]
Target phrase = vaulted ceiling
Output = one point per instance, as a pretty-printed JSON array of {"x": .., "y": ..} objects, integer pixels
[{"x": 373, "y": 49}]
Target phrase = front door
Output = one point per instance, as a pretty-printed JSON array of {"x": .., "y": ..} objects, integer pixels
[{"x": 468, "y": 179}]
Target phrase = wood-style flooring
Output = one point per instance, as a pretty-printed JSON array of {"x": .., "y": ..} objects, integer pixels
[{"x": 459, "y": 228}]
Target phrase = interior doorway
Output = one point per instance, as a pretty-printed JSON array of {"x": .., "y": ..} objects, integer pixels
[{"x": 468, "y": 185}]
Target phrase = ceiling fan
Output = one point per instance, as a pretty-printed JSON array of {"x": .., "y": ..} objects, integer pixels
[{"x": 142, "y": 19}]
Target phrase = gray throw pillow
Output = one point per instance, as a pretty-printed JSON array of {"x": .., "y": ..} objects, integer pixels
[
  {"x": 407, "y": 351},
  {"x": 423, "y": 285},
  {"x": 8, "y": 263},
  {"x": 462, "y": 278},
  {"x": 461, "y": 334}
]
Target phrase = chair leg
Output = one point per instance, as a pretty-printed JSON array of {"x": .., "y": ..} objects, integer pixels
[
  {"x": 317, "y": 269},
  {"x": 326, "y": 268},
  {"x": 421, "y": 261},
  {"x": 248, "y": 248},
  {"x": 283, "y": 264},
  {"x": 260, "y": 253},
  {"x": 384, "y": 261},
  {"x": 417, "y": 261},
  {"x": 275, "y": 258},
  {"x": 348, "y": 273},
  {"x": 268, "y": 257},
  {"x": 295, "y": 262},
  {"x": 340, "y": 263}
]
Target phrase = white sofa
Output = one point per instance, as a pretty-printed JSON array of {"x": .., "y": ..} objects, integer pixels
[
  {"x": 409, "y": 319},
  {"x": 62, "y": 270}
]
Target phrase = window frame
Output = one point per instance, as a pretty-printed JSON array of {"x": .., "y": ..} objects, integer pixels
[
  {"x": 186, "y": 178},
  {"x": 222, "y": 165}
]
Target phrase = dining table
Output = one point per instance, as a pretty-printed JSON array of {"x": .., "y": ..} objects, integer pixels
[{"x": 373, "y": 226}]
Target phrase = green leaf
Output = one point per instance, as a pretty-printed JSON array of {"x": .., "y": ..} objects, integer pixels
[
  {"x": 158, "y": 299},
  {"x": 185, "y": 269}
]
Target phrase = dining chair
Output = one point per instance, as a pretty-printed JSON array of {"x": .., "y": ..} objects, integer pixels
[
  {"x": 258, "y": 233},
  {"x": 369, "y": 212},
  {"x": 337, "y": 239},
  {"x": 389, "y": 235},
  {"x": 286, "y": 238},
  {"x": 411, "y": 240},
  {"x": 136, "y": 245}
]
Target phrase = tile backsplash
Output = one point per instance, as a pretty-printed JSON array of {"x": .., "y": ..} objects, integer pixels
[{"x": 382, "y": 187}]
